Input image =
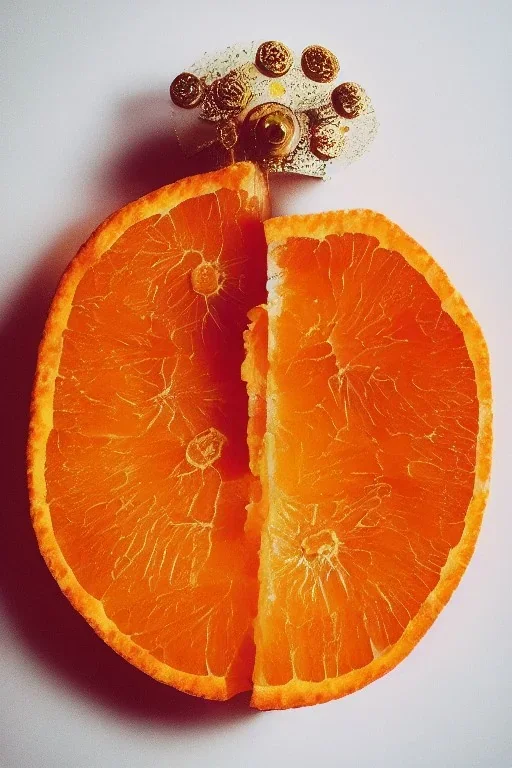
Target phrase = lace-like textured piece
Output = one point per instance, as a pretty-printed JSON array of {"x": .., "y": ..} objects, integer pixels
[{"x": 264, "y": 103}]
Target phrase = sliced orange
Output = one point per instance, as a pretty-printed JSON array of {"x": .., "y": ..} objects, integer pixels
[
  {"x": 358, "y": 458},
  {"x": 377, "y": 453},
  {"x": 138, "y": 458}
]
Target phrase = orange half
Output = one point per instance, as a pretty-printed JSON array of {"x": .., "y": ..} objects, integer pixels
[
  {"x": 377, "y": 453},
  {"x": 138, "y": 459}
]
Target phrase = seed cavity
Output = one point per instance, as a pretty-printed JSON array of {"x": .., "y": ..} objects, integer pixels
[
  {"x": 324, "y": 543},
  {"x": 205, "y": 278},
  {"x": 205, "y": 448}
]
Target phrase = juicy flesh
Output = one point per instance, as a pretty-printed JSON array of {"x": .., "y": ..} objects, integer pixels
[
  {"x": 370, "y": 455},
  {"x": 163, "y": 476},
  {"x": 147, "y": 462},
  {"x": 254, "y": 373}
]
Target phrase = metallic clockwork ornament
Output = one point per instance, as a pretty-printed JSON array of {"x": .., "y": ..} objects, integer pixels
[{"x": 264, "y": 103}]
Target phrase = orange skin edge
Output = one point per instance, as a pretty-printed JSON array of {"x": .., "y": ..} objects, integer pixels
[
  {"x": 297, "y": 693},
  {"x": 241, "y": 176}
]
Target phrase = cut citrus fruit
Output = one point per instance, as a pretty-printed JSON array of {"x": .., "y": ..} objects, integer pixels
[
  {"x": 377, "y": 453},
  {"x": 355, "y": 463},
  {"x": 138, "y": 456}
]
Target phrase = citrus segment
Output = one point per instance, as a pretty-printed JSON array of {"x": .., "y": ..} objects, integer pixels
[
  {"x": 376, "y": 450},
  {"x": 138, "y": 456}
]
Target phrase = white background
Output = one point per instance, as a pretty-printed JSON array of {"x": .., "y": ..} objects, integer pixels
[{"x": 86, "y": 128}]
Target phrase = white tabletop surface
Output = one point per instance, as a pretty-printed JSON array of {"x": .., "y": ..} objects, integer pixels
[{"x": 85, "y": 116}]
